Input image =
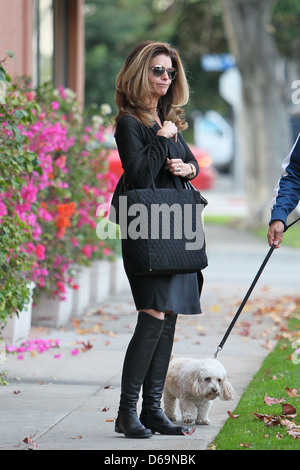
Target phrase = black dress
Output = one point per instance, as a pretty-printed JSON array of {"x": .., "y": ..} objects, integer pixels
[{"x": 179, "y": 293}]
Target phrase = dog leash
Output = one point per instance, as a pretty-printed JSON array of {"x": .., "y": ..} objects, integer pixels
[{"x": 241, "y": 307}]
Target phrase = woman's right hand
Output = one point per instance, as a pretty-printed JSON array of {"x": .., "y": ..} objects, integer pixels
[{"x": 168, "y": 130}]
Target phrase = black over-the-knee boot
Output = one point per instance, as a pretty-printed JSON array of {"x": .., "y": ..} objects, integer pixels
[
  {"x": 152, "y": 416},
  {"x": 136, "y": 363}
]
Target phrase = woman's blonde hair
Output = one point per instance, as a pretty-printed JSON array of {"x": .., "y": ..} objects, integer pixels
[{"x": 132, "y": 86}]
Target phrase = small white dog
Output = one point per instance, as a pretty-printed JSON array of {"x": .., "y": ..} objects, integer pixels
[{"x": 195, "y": 383}]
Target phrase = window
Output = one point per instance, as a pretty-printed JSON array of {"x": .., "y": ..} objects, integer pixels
[
  {"x": 43, "y": 39},
  {"x": 58, "y": 44}
]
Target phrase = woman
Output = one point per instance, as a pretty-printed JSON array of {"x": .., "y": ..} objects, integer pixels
[{"x": 151, "y": 87}]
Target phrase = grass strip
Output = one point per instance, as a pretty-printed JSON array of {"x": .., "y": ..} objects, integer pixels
[{"x": 275, "y": 426}]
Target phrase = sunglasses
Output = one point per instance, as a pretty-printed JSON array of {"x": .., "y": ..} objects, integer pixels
[{"x": 159, "y": 70}]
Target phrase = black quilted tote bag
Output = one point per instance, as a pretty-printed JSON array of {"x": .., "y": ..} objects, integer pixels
[{"x": 161, "y": 229}]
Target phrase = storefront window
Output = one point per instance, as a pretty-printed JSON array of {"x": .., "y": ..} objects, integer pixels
[{"x": 43, "y": 41}]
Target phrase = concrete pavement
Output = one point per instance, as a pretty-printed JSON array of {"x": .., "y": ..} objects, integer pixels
[{"x": 67, "y": 398}]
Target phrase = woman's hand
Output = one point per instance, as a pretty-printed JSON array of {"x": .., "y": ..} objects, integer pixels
[
  {"x": 177, "y": 167},
  {"x": 168, "y": 130},
  {"x": 275, "y": 233}
]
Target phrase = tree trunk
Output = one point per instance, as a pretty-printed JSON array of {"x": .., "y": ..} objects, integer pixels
[{"x": 266, "y": 132}]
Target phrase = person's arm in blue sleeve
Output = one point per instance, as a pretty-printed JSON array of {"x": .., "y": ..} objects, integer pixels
[{"x": 286, "y": 195}]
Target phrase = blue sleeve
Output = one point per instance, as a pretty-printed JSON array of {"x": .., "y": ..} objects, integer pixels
[{"x": 287, "y": 191}]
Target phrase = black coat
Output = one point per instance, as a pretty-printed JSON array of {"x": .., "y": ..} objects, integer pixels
[
  {"x": 133, "y": 141},
  {"x": 179, "y": 293}
]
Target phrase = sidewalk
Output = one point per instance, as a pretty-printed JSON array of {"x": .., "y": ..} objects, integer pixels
[{"x": 69, "y": 402}]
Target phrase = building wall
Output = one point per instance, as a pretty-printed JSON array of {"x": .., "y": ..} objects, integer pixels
[
  {"x": 76, "y": 63},
  {"x": 16, "y": 22},
  {"x": 16, "y": 35}
]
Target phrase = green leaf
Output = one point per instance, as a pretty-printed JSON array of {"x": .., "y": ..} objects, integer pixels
[{"x": 10, "y": 54}]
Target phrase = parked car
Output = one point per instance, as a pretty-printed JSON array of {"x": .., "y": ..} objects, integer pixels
[
  {"x": 214, "y": 134},
  {"x": 204, "y": 180},
  {"x": 207, "y": 175}
]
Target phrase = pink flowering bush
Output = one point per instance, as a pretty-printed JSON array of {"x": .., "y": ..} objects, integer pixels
[
  {"x": 53, "y": 176},
  {"x": 73, "y": 182},
  {"x": 17, "y": 165}
]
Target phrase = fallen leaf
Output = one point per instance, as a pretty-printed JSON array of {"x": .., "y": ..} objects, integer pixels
[
  {"x": 76, "y": 323},
  {"x": 286, "y": 422},
  {"x": 212, "y": 446},
  {"x": 30, "y": 442},
  {"x": 293, "y": 430},
  {"x": 16, "y": 392},
  {"x": 273, "y": 401},
  {"x": 231, "y": 415},
  {"x": 267, "y": 344},
  {"x": 292, "y": 392},
  {"x": 200, "y": 328},
  {"x": 245, "y": 330},
  {"x": 245, "y": 444},
  {"x": 106, "y": 408},
  {"x": 215, "y": 308},
  {"x": 269, "y": 420},
  {"x": 288, "y": 409},
  {"x": 294, "y": 434},
  {"x": 87, "y": 346},
  {"x": 77, "y": 437}
]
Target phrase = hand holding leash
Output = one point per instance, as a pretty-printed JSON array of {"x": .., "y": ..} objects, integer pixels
[{"x": 240, "y": 309}]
